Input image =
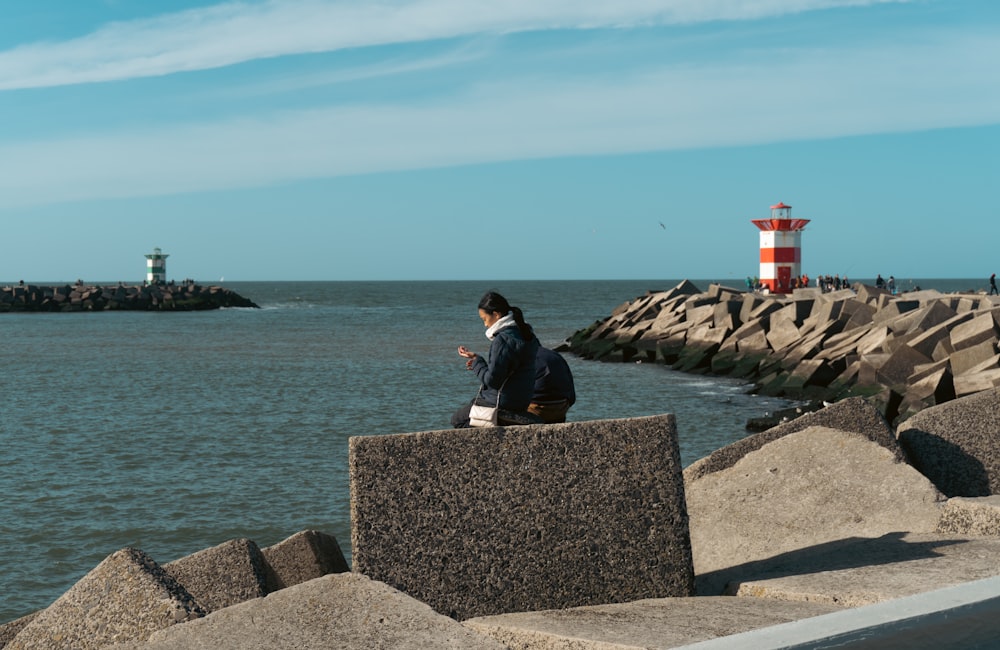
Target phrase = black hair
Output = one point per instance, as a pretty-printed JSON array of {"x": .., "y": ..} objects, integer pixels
[{"x": 494, "y": 302}]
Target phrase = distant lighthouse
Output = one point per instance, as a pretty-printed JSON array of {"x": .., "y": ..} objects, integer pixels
[
  {"x": 156, "y": 267},
  {"x": 780, "y": 248}
]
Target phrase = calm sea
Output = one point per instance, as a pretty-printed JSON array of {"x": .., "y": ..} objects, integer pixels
[{"x": 174, "y": 432}]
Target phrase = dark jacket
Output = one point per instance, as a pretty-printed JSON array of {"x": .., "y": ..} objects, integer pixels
[
  {"x": 511, "y": 358},
  {"x": 553, "y": 378}
]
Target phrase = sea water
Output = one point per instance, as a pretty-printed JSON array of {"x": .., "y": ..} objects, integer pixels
[{"x": 174, "y": 432}]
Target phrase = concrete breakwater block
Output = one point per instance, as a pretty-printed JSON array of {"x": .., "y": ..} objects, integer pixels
[
  {"x": 957, "y": 444},
  {"x": 853, "y": 415},
  {"x": 223, "y": 575},
  {"x": 345, "y": 610},
  {"x": 814, "y": 486},
  {"x": 476, "y": 522},
  {"x": 126, "y": 597},
  {"x": 978, "y": 516},
  {"x": 215, "y": 578},
  {"x": 302, "y": 557}
]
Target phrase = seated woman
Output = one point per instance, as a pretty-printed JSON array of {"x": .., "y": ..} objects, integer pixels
[{"x": 507, "y": 375}]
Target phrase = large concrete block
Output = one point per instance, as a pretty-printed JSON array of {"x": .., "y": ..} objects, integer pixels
[
  {"x": 898, "y": 315},
  {"x": 727, "y": 315},
  {"x": 126, "y": 597},
  {"x": 957, "y": 444},
  {"x": 932, "y": 314},
  {"x": 874, "y": 341},
  {"x": 853, "y": 415},
  {"x": 346, "y": 611},
  {"x": 975, "y": 331},
  {"x": 488, "y": 521},
  {"x": 807, "y": 488},
  {"x": 927, "y": 340},
  {"x": 223, "y": 575},
  {"x": 900, "y": 365},
  {"x": 977, "y": 382},
  {"x": 783, "y": 331},
  {"x": 967, "y": 359},
  {"x": 978, "y": 516},
  {"x": 302, "y": 557}
]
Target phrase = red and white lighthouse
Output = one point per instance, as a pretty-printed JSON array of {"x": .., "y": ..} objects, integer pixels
[{"x": 780, "y": 248}]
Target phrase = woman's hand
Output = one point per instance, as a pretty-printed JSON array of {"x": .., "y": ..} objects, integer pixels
[{"x": 468, "y": 354}]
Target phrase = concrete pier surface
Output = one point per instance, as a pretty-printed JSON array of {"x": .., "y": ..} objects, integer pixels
[{"x": 825, "y": 532}]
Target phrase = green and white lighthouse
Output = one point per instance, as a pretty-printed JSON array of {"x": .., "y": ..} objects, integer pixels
[{"x": 156, "y": 267}]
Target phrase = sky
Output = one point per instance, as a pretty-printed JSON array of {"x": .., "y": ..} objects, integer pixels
[{"x": 506, "y": 140}]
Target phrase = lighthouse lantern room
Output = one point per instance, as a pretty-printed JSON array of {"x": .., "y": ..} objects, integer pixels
[
  {"x": 156, "y": 267},
  {"x": 780, "y": 248}
]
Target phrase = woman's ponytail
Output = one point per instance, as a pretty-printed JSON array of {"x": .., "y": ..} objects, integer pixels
[{"x": 526, "y": 332}]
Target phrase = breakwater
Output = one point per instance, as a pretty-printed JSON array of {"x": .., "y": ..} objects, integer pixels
[
  {"x": 902, "y": 352},
  {"x": 585, "y": 532},
  {"x": 187, "y": 296}
]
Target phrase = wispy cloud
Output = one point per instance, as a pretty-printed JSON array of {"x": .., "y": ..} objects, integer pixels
[
  {"x": 830, "y": 93},
  {"x": 237, "y": 32}
]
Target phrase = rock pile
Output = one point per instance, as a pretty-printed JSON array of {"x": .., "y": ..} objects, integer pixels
[
  {"x": 904, "y": 352},
  {"x": 188, "y": 296}
]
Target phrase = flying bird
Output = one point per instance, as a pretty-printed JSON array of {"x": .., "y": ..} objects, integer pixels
[{"x": 662, "y": 226}]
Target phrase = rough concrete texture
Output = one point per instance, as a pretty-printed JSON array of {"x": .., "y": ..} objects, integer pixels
[
  {"x": 643, "y": 624},
  {"x": 9, "y": 630},
  {"x": 807, "y": 488},
  {"x": 957, "y": 444},
  {"x": 223, "y": 575},
  {"x": 855, "y": 572},
  {"x": 126, "y": 597},
  {"x": 488, "y": 521},
  {"x": 344, "y": 610},
  {"x": 304, "y": 556},
  {"x": 971, "y": 516},
  {"x": 852, "y": 415}
]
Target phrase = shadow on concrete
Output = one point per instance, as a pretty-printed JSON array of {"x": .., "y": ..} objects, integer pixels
[
  {"x": 951, "y": 469},
  {"x": 849, "y": 553}
]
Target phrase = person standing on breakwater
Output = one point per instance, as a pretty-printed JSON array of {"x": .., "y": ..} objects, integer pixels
[
  {"x": 554, "y": 389},
  {"x": 993, "y": 285},
  {"x": 507, "y": 375}
]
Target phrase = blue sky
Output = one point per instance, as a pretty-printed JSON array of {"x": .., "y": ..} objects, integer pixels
[{"x": 519, "y": 139}]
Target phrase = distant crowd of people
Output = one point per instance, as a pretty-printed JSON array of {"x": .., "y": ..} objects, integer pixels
[{"x": 824, "y": 283}]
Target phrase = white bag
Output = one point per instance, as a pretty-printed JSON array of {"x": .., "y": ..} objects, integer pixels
[{"x": 483, "y": 416}]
